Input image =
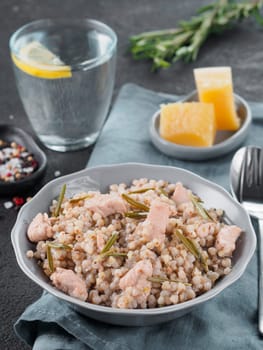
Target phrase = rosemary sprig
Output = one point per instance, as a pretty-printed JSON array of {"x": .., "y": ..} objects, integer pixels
[
  {"x": 60, "y": 200},
  {"x": 59, "y": 245},
  {"x": 162, "y": 191},
  {"x": 50, "y": 259},
  {"x": 159, "y": 279},
  {"x": 167, "y": 46},
  {"x": 135, "y": 215},
  {"x": 201, "y": 210},
  {"x": 143, "y": 190},
  {"x": 113, "y": 253},
  {"x": 49, "y": 252},
  {"x": 76, "y": 200},
  {"x": 134, "y": 203},
  {"x": 110, "y": 243},
  {"x": 191, "y": 246}
]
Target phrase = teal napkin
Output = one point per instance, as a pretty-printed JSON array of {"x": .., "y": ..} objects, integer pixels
[{"x": 227, "y": 322}]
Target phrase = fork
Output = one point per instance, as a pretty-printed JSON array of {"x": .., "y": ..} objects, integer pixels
[{"x": 251, "y": 197}]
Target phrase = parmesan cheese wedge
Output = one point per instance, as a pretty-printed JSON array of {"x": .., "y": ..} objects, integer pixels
[
  {"x": 189, "y": 124},
  {"x": 214, "y": 85}
]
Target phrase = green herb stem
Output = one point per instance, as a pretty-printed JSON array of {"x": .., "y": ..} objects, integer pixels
[
  {"x": 193, "y": 249},
  {"x": 50, "y": 259},
  {"x": 201, "y": 210},
  {"x": 134, "y": 203},
  {"x": 135, "y": 215},
  {"x": 54, "y": 245},
  {"x": 164, "y": 47},
  {"x": 110, "y": 243},
  {"x": 82, "y": 198},
  {"x": 60, "y": 200},
  {"x": 115, "y": 254},
  {"x": 162, "y": 191},
  {"x": 142, "y": 190},
  {"x": 159, "y": 279}
]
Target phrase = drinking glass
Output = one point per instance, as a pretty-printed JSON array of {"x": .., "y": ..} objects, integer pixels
[{"x": 65, "y": 71}]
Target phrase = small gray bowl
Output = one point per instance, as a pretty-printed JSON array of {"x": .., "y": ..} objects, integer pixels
[
  {"x": 225, "y": 142},
  {"x": 212, "y": 195}
]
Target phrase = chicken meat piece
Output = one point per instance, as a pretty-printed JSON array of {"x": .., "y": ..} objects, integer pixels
[
  {"x": 154, "y": 226},
  {"x": 40, "y": 228},
  {"x": 181, "y": 194},
  {"x": 226, "y": 239},
  {"x": 106, "y": 204},
  {"x": 70, "y": 283},
  {"x": 137, "y": 276}
]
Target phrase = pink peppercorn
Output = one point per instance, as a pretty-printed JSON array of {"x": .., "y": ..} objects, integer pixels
[{"x": 18, "y": 201}]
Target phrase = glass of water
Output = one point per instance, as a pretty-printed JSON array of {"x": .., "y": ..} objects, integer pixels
[{"x": 65, "y": 73}]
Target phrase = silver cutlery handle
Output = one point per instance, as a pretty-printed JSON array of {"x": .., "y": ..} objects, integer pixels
[{"x": 260, "y": 289}]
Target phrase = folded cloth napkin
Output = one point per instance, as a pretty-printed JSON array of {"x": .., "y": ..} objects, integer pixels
[{"x": 228, "y": 321}]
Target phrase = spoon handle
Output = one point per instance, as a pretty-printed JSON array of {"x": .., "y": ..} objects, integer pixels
[{"x": 260, "y": 282}]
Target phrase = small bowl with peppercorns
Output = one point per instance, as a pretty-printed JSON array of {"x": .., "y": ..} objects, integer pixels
[{"x": 22, "y": 162}]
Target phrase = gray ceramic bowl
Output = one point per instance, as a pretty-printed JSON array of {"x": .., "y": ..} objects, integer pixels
[
  {"x": 225, "y": 141},
  {"x": 213, "y": 196}
]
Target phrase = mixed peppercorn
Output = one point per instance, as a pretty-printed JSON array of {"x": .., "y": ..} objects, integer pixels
[{"x": 16, "y": 162}]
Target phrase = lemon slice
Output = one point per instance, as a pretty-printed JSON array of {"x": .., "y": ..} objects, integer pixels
[{"x": 36, "y": 60}]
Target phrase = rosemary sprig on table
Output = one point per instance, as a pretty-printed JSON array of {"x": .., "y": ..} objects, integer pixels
[{"x": 167, "y": 46}]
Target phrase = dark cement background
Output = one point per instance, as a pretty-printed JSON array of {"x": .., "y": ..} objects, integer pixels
[{"x": 241, "y": 48}]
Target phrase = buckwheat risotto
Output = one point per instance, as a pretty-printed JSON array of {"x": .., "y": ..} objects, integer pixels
[{"x": 144, "y": 245}]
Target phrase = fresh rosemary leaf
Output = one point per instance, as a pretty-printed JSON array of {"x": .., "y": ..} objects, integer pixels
[
  {"x": 191, "y": 246},
  {"x": 135, "y": 215},
  {"x": 110, "y": 243},
  {"x": 115, "y": 254},
  {"x": 76, "y": 200},
  {"x": 159, "y": 279},
  {"x": 162, "y": 191},
  {"x": 203, "y": 263},
  {"x": 134, "y": 203},
  {"x": 54, "y": 245},
  {"x": 50, "y": 259},
  {"x": 164, "y": 47},
  {"x": 201, "y": 210},
  {"x": 60, "y": 200},
  {"x": 142, "y": 190},
  {"x": 197, "y": 198},
  {"x": 188, "y": 244},
  {"x": 59, "y": 245}
]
